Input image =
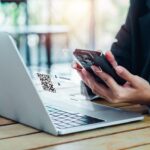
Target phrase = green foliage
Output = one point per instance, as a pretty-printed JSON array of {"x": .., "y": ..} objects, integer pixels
[{"x": 11, "y": 13}]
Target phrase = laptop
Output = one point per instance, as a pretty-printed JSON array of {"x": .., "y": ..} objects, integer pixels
[{"x": 53, "y": 113}]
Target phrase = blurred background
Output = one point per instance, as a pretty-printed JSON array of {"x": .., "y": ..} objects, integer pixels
[{"x": 47, "y": 31}]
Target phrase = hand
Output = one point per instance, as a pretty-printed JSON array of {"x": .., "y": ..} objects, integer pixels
[{"x": 135, "y": 90}]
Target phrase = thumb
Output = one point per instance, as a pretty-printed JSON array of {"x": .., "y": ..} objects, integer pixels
[{"x": 125, "y": 74}]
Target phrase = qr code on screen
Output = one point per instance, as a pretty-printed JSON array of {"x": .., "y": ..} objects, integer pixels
[{"x": 46, "y": 82}]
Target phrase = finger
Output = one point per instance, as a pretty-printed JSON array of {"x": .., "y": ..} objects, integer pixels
[
  {"x": 76, "y": 66},
  {"x": 84, "y": 79},
  {"x": 110, "y": 57},
  {"x": 110, "y": 82},
  {"x": 87, "y": 78},
  {"x": 125, "y": 74},
  {"x": 95, "y": 87},
  {"x": 98, "y": 88}
]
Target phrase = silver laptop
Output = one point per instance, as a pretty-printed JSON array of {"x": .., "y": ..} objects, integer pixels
[{"x": 53, "y": 113}]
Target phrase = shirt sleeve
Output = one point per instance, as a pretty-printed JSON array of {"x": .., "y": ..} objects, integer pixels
[{"x": 121, "y": 49}]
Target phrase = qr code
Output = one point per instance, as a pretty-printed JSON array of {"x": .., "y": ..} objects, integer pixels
[{"x": 46, "y": 82}]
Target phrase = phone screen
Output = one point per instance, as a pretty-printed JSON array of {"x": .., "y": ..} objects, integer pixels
[{"x": 87, "y": 58}]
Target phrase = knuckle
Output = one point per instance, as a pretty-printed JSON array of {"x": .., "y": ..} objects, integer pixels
[
  {"x": 135, "y": 77},
  {"x": 119, "y": 96},
  {"x": 94, "y": 89},
  {"x": 113, "y": 101},
  {"x": 122, "y": 73},
  {"x": 116, "y": 101},
  {"x": 94, "y": 86},
  {"x": 107, "y": 79}
]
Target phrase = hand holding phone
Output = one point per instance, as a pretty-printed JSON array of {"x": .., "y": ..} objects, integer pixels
[{"x": 87, "y": 58}]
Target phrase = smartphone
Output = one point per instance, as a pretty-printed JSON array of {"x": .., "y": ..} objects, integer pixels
[{"x": 87, "y": 58}]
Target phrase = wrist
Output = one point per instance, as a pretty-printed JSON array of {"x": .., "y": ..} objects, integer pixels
[{"x": 146, "y": 95}]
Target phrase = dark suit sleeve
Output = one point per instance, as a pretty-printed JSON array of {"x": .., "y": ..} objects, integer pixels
[{"x": 122, "y": 47}]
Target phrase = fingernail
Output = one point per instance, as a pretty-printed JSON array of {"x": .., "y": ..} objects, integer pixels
[
  {"x": 96, "y": 69},
  {"x": 74, "y": 66}
]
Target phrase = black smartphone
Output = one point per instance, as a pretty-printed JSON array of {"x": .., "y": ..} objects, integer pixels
[{"x": 87, "y": 58}]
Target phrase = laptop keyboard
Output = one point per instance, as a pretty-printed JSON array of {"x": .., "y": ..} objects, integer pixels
[{"x": 63, "y": 119}]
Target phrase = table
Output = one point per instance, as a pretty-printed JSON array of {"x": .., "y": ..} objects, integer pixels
[
  {"x": 133, "y": 136},
  {"x": 41, "y": 30}
]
